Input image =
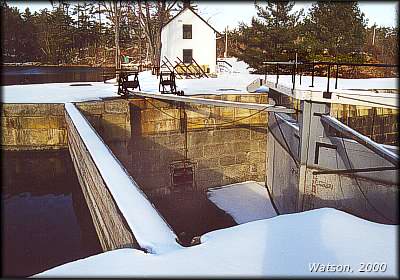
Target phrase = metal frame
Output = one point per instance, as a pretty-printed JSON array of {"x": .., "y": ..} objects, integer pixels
[
  {"x": 367, "y": 142},
  {"x": 328, "y": 65}
]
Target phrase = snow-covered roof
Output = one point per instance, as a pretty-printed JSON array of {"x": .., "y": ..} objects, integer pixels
[{"x": 190, "y": 9}]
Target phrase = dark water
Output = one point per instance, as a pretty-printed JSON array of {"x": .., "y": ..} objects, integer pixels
[
  {"x": 18, "y": 75},
  {"x": 45, "y": 220},
  {"x": 190, "y": 213},
  {"x": 185, "y": 208}
]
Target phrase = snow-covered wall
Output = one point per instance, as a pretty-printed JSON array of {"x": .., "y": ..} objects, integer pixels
[
  {"x": 110, "y": 225},
  {"x": 203, "y": 42},
  {"x": 123, "y": 214}
]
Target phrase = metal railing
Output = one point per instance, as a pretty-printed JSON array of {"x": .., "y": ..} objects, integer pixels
[{"x": 295, "y": 66}]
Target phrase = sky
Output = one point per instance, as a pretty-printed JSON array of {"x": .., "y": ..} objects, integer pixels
[{"x": 223, "y": 14}]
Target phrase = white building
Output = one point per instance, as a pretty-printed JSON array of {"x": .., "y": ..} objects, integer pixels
[{"x": 187, "y": 36}]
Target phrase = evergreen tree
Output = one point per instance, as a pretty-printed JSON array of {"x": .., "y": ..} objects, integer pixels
[
  {"x": 187, "y": 4},
  {"x": 30, "y": 50},
  {"x": 271, "y": 35},
  {"x": 382, "y": 44},
  {"x": 336, "y": 29},
  {"x": 12, "y": 23}
]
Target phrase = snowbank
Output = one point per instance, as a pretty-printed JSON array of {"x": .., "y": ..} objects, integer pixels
[
  {"x": 223, "y": 84},
  {"x": 149, "y": 228},
  {"x": 286, "y": 245},
  {"x": 237, "y": 66},
  {"x": 245, "y": 202}
]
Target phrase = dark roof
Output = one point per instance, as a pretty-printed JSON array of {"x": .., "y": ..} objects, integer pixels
[{"x": 195, "y": 14}]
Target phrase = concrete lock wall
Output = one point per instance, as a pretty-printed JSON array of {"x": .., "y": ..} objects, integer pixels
[
  {"x": 146, "y": 138},
  {"x": 33, "y": 126},
  {"x": 294, "y": 169},
  {"x": 380, "y": 124}
]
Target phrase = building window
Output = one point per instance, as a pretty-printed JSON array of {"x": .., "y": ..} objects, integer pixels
[
  {"x": 187, "y": 31},
  {"x": 187, "y": 55}
]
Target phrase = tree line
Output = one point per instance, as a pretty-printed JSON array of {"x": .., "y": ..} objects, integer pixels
[
  {"x": 98, "y": 33},
  {"x": 95, "y": 33},
  {"x": 331, "y": 31}
]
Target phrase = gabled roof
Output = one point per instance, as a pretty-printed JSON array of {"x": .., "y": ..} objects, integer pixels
[{"x": 189, "y": 8}]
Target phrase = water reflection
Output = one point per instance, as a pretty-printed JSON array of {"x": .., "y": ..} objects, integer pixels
[
  {"x": 45, "y": 218},
  {"x": 190, "y": 213},
  {"x": 186, "y": 208}
]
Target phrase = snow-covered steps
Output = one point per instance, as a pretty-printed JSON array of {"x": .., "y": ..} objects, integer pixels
[
  {"x": 245, "y": 202},
  {"x": 116, "y": 203}
]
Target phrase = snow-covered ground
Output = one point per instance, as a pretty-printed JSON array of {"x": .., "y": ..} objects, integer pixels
[
  {"x": 245, "y": 202},
  {"x": 64, "y": 92},
  {"x": 225, "y": 83},
  {"x": 56, "y": 92},
  {"x": 286, "y": 245}
]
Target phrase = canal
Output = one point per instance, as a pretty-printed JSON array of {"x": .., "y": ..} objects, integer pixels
[
  {"x": 46, "y": 221},
  {"x": 18, "y": 75}
]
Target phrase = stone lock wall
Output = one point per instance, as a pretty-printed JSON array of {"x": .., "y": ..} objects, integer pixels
[
  {"x": 146, "y": 138},
  {"x": 33, "y": 126},
  {"x": 380, "y": 124},
  {"x": 227, "y": 145}
]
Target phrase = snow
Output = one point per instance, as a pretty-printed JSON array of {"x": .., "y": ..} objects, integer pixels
[
  {"x": 226, "y": 83},
  {"x": 64, "y": 92},
  {"x": 262, "y": 89},
  {"x": 282, "y": 246},
  {"x": 149, "y": 228},
  {"x": 57, "y": 92},
  {"x": 237, "y": 66},
  {"x": 245, "y": 202}
]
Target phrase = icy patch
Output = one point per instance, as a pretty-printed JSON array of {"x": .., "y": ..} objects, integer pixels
[{"x": 245, "y": 202}]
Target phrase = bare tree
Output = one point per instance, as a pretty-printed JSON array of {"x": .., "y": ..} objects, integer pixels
[
  {"x": 114, "y": 12},
  {"x": 152, "y": 17}
]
